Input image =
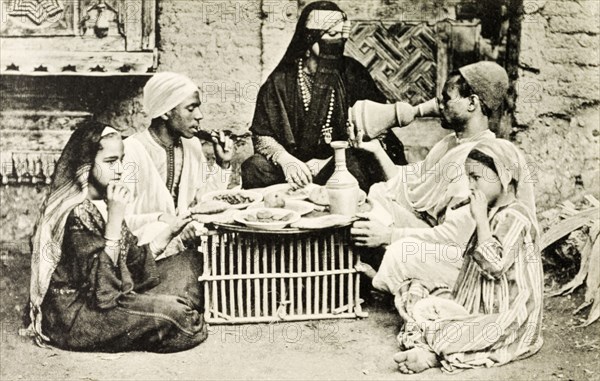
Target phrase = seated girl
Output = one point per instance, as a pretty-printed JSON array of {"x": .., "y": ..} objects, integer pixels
[
  {"x": 97, "y": 289},
  {"x": 494, "y": 313}
]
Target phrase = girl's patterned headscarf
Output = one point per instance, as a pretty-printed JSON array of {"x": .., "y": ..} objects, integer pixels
[{"x": 69, "y": 188}]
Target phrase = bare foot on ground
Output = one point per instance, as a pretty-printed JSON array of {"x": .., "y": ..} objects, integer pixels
[{"x": 415, "y": 360}]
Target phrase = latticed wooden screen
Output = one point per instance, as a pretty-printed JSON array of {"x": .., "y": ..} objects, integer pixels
[{"x": 401, "y": 57}]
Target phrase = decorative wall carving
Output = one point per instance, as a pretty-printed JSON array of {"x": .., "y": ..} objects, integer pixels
[
  {"x": 401, "y": 57},
  {"x": 37, "y": 18},
  {"x": 101, "y": 19},
  {"x": 79, "y": 35},
  {"x": 37, "y": 11},
  {"x": 410, "y": 60}
]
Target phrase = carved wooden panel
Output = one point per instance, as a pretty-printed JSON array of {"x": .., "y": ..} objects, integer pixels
[
  {"x": 38, "y": 18},
  {"x": 401, "y": 57},
  {"x": 77, "y": 36}
]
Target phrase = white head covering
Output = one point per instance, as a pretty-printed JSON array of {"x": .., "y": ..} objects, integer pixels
[
  {"x": 165, "y": 91},
  {"x": 108, "y": 130}
]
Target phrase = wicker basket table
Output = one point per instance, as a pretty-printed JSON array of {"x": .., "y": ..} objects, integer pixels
[{"x": 254, "y": 276}]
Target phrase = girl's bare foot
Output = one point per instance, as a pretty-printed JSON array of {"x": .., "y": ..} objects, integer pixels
[
  {"x": 364, "y": 268},
  {"x": 416, "y": 360}
]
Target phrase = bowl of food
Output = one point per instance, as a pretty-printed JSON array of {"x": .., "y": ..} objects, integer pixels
[
  {"x": 267, "y": 218},
  {"x": 237, "y": 199}
]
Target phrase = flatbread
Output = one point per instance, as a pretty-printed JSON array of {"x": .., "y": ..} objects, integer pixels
[
  {"x": 210, "y": 207},
  {"x": 319, "y": 196},
  {"x": 226, "y": 217}
]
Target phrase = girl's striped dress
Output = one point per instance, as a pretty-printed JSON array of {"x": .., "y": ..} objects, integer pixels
[{"x": 496, "y": 313}]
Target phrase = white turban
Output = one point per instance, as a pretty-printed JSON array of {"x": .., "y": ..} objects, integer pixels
[{"x": 165, "y": 91}]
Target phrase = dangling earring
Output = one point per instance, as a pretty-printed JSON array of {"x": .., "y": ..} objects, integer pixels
[{"x": 307, "y": 54}]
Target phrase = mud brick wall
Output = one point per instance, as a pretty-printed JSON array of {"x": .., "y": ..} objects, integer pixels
[
  {"x": 218, "y": 45},
  {"x": 558, "y": 92}
]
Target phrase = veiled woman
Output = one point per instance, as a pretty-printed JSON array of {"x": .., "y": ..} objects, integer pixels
[{"x": 303, "y": 106}]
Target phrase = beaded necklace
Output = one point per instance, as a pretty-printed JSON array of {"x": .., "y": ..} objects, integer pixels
[
  {"x": 326, "y": 130},
  {"x": 306, "y": 84}
]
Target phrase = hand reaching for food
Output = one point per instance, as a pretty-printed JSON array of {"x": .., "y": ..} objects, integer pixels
[{"x": 297, "y": 173}]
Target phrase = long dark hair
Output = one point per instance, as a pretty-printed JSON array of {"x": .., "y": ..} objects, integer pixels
[{"x": 80, "y": 151}]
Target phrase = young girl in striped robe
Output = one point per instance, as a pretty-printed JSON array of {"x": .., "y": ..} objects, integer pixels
[{"x": 495, "y": 313}]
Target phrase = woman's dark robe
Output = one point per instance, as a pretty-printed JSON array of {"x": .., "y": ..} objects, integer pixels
[
  {"x": 94, "y": 304},
  {"x": 280, "y": 114}
]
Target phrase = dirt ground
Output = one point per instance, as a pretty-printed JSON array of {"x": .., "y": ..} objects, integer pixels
[{"x": 328, "y": 350}]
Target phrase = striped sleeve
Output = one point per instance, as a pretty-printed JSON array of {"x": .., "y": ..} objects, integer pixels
[{"x": 495, "y": 256}]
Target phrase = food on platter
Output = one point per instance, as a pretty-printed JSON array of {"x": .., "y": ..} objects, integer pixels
[
  {"x": 210, "y": 207},
  {"x": 298, "y": 192},
  {"x": 234, "y": 199},
  {"x": 274, "y": 200},
  {"x": 238, "y": 199},
  {"x": 267, "y": 218},
  {"x": 319, "y": 196},
  {"x": 302, "y": 207}
]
